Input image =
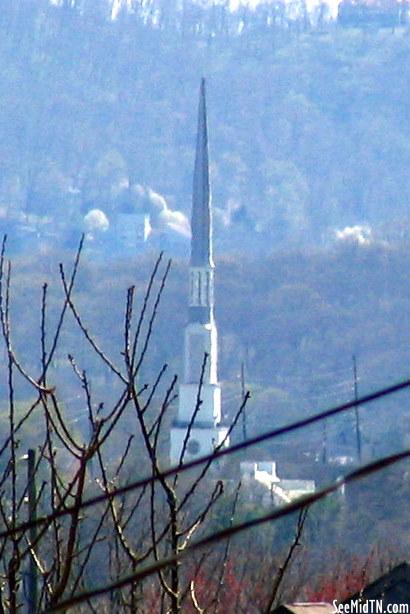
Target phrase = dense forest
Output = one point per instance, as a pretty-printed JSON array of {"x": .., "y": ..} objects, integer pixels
[
  {"x": 294, "y": 319},
  {"x": 308, "y": 121}
]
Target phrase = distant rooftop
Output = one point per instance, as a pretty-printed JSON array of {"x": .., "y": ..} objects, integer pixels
[{"x": 305, "y": 608}]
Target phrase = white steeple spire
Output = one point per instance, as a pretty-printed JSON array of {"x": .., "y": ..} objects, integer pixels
[
  {"x": 201, "y": 275},
  {"x": 201, "y": 332},
  {"x": 201, "y": 244}
]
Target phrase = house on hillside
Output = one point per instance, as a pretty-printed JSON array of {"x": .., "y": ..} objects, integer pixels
[{"x": 260, "y": 481}]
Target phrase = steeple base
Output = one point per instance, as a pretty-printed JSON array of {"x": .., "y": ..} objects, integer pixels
[{"x": 203, "y": 440}]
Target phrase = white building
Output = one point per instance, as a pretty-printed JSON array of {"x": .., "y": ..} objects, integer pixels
[{"x": 275, "y": 490}]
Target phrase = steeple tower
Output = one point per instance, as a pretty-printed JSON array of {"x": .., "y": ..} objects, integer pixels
[
  {"x": 200, "y": 332},
  {"x": 201, "y": 245}
]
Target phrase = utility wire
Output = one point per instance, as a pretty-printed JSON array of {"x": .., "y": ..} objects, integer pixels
[
  {"x": 283, "y": 511},
  {"x": 378, "y": 394}
]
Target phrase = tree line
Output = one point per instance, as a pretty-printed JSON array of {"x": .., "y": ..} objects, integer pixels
[{"x": 308, "y": 127}]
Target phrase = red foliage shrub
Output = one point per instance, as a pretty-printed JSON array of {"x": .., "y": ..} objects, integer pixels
[{"x": 341, "y": 583}]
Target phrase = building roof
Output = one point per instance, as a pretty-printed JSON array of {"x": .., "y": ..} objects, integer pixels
[
  {"x": 392, "y": 588},
  {"x": 305, "y": 608}
]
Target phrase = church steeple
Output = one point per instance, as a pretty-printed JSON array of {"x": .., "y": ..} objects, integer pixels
[
  {"x": 201, "y": 337},
  {"x": 201, "y": 244},
  {"x": 201, "y": 293}
]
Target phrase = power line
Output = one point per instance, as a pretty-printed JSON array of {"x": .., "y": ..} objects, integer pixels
[
  {"x": 296, "y": 505},
  {"x": 378, "y": 394}
]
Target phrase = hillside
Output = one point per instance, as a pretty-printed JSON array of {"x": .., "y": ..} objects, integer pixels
[
  {"x": 294, "y": 319},
  {"x": 309, "y": 124}
]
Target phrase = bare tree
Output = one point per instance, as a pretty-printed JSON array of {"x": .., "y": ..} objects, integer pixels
[{"x": 62, "y": 556}]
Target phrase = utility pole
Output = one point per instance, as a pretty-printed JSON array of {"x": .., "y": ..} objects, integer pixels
[
  {"x": 324, "y": 442},
  {"x": 244, "y": 429},
  {"x": 356, "y": 410},
  {"x": 32, "y": 588}
]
